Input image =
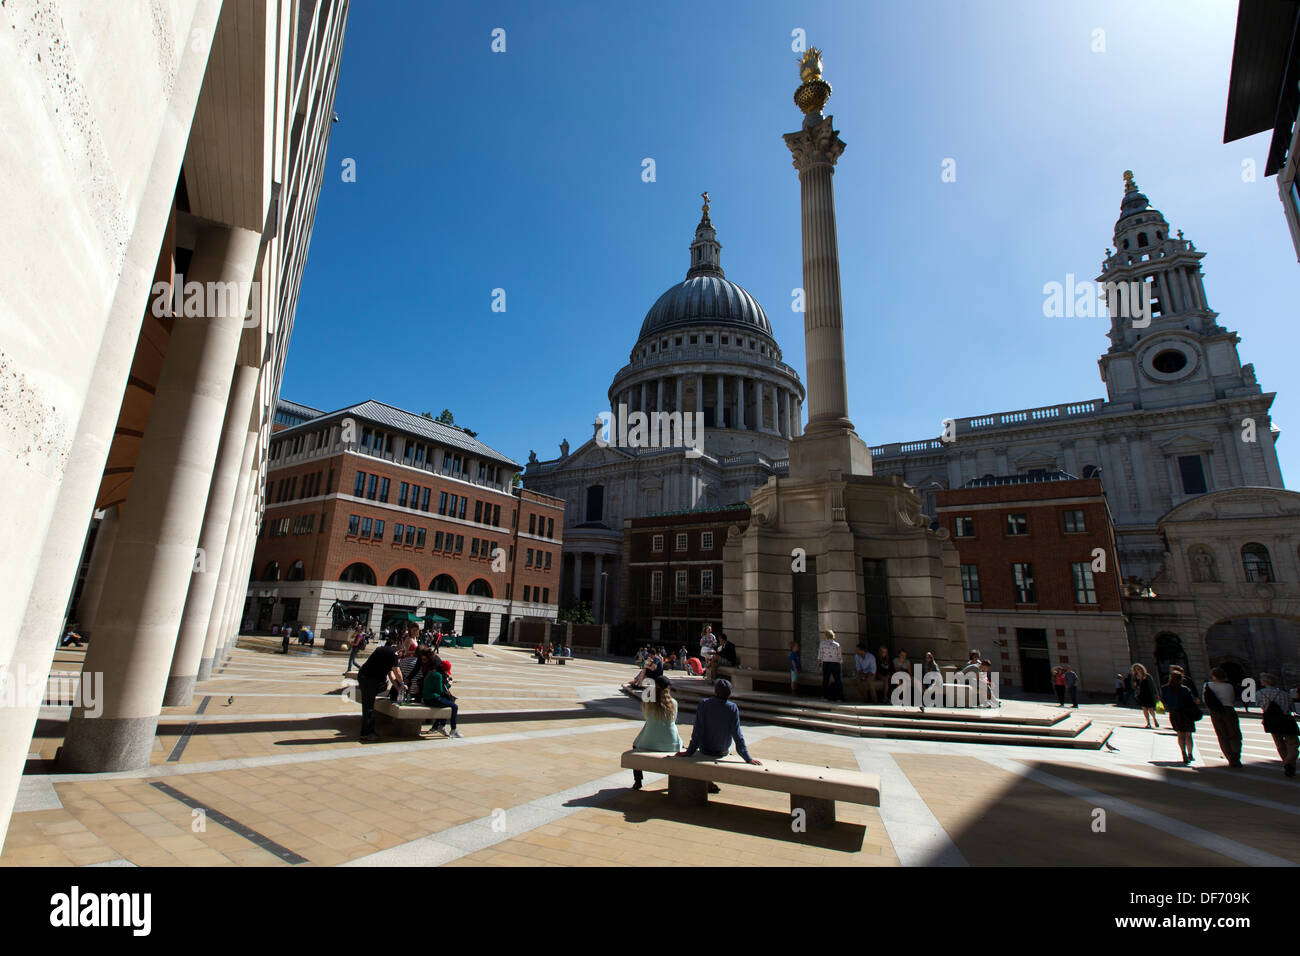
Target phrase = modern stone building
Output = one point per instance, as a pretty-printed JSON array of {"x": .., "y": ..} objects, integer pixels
[
  {"x": 159, "y": 142},
  {"x": 1184, "y": 421},
  {"x": 704, "y": 349},
  {"x": 374, "y": 514}
]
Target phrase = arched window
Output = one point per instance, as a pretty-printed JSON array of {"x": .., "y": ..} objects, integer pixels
[
  {"x": 1170, "y": 652},
  {"x": 1125, "y": 243},
  {"x": 444, "y": 583},
  {"x": 1256, "y": 561},
  {"x": 404, "y": 578},
  {"x": 272, "y": 572},
  {"x": 1091, "y": 471},
  {"x": 296, "y": 571},
  {"x": 357, "y": 573},
  {"x": 1142, "y": 240},
  {"x": 479, "y": 588}
]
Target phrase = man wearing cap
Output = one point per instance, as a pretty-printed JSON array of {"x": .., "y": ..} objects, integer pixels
[{"x": 717, "y": 724}]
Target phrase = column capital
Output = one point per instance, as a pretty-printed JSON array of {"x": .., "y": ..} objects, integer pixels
[{"x": 818, "y": 144}]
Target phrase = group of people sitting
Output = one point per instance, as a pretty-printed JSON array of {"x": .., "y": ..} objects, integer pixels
[
  {"x": 546, "y": 652},
  {"x": 875, "y": 672},
  {"x": 410, "y": 673}
]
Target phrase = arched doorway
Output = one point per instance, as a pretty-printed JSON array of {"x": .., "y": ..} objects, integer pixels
[
  {"x": 1170, "y": 652},
  {"x": 1249, "y": 646}
]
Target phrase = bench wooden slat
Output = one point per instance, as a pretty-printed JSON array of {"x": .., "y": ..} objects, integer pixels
[{"x": 823, "y": 783}]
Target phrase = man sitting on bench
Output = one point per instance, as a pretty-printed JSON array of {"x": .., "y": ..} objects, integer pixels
[{"x": 717, "y": 724}]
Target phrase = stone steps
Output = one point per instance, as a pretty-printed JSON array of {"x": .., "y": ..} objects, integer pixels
[{"x": 1016, "y": 724}]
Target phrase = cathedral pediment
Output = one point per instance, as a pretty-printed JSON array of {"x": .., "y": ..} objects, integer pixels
[{"x": 1185, "y": 444}]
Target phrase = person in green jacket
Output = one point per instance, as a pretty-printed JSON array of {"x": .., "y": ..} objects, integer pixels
[
  {"x": 437, "y": 693},
  {"x": 659, "y": 734}
]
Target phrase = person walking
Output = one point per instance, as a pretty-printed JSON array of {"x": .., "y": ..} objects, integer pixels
[
  {"x": 830, "y": 657},
  {"x": 1144, "y": 692},
  {"x": 1058, "y": 684},
  {"x": 357, "y": 643},
  {"x": 659, "y": 732},
  {"x": 1219, "y": 696},
  {"x": 1119, "y": 690},
  {"x": 1183, "y": 711},
  {"x": 1274, "y": 704},
  {"x": 796, "y": 665},
  {"x": 1072, "y": 685}
]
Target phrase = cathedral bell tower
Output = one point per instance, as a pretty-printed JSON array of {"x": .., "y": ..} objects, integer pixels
[{"x": 1167, "y": 347}]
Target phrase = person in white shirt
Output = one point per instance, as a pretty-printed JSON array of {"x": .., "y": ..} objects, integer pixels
[{"x": 830, "y": 657}]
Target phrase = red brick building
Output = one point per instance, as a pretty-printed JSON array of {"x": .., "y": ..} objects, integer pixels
[
  {"x": 380, "y": 515},
  {"x": 1040, "y": 577},
  {"x": 672, "y": 566}
]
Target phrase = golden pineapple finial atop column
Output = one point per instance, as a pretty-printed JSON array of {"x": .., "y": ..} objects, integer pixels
[{"x": 813, "y": 92}]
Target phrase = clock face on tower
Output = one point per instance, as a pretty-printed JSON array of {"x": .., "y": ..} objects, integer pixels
[{"x": 1169, "y": 360}]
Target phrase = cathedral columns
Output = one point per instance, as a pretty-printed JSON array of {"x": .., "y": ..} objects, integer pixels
[
  {"x": 642, "y": 406},
  {"x": 699, "y": 393},
  {"x": 678, "y": 381},
  {"x": 740, "y": 401},
  {"x": 719, "y": 417},
  {"x": 659, "y": 395}
]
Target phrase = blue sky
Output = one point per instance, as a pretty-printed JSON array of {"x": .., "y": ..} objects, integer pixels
[{"x": 522, "y": 171}]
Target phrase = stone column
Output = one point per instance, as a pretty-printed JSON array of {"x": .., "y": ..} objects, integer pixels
[
  {"x": 642, "y": 408},
  {"x": 816, "y": 149},
  {"x": 740, "y": 401},
  {"x": 577, "y": 576},
  {"x": 719, "y": 415},
  {"x": 789, "y": 414},
  {"x": 659, "y": 395},
  {"x": 699, "y": 393},
  {"x": 678, "y": 381},
  {"x": 100, "y": 558},
  {"x": 197, "y": 615},
  {"x": 597, "y": 595},
  {"x": 232, "y": 615},
  {"x": 218, "y": 618},
  {"x": 146, "y": 586}
]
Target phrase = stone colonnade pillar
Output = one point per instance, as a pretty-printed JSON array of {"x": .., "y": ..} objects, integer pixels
[
  {"x": 100, "y": 558},
  {"x": 199, "y": 601},
  {"x": 147, "y": 584},
  {"x": 225, "y": 584}
]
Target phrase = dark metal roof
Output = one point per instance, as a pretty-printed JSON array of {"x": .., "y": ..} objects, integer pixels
[
  {"x": 707, "y": 299},
  {"x": 993, "y": 480},
  {"x": 377, "y": 413},
  {"x": 297, "y": 410},
  {"x": 1262, "y": 91}
]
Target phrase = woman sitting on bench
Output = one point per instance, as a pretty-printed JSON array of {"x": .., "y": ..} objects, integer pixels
[
  {"x": 437, "y": 693},
  {"x": 659, "y": 734}
]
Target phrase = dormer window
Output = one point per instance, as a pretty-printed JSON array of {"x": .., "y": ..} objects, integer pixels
[{"x": 1142, "y": 240}]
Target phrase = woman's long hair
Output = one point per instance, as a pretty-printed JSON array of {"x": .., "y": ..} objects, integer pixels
[
  {"x": 1138, "y": 671},
  {"x": 663, "y": 706}
]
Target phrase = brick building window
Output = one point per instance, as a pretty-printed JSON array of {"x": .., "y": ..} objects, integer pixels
[
  {"x": 1023, "y": 578},
  {"x": 398, "y": 530},
  {"x": 354, "y": 524},
  {"x": 706, "y": 542},
  {"x": 372, "y": 487},
  {"x": 1017, "y": 524},
  {"x": 532, "y": 524},
  {"x": 527, "y": 591},
  {"x": 403, "y": 490},
  {"x": 424, "y": 500},
  {"x": 657, "y": 543},
  {"x": 964, "y": 526},
  {"x": 656, "y": 585},
  {"x": 437, "y": 541},
  {"x": 359, "y": 488},
  {"x": 970, "y": 583},
  {"x": 420, "y": 537},
  {"x": 1074, "y": 521},
  {"x": 379, "y": 530},
  {"x": 496, "y": 515},
  {"x": 528, "y": 561},
  {"x": 680, "y": 543},
  {"x": 1085, "y": 591},
  {"x": 460, "y": 543},
  {"x": 383, "y": 490},
  {"x": 706, "y": 582},
  {"x": 410, "y": 534},
  {"x": 550, "y": 527},
  {"x": 680, "y": 585},
  {"x": 548, "y": 560},
  {"x": 365, "y": 527},
  {"x": 546, "y": 595}
]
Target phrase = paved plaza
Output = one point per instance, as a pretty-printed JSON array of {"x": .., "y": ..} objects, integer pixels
[{"x": 265, "y": 769}]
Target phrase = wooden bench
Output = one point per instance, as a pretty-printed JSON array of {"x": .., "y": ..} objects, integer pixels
[
  {"x": 813, "y": 790},
  {"x": 406, "y": 720}
]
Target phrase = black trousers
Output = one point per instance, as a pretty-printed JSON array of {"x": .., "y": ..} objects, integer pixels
[
  {"x": 370, "y": 689},
  {"x": 831, "y": 675}
]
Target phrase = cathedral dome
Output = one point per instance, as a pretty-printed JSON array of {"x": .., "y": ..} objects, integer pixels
[
  {"x": 706, "y": 299},
  {"x": 707, "y": 296}
]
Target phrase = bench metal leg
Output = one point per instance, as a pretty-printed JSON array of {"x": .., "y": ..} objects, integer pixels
[
  {"x": 688, "y": 793},
  {"x": 817, "y": 813}
]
